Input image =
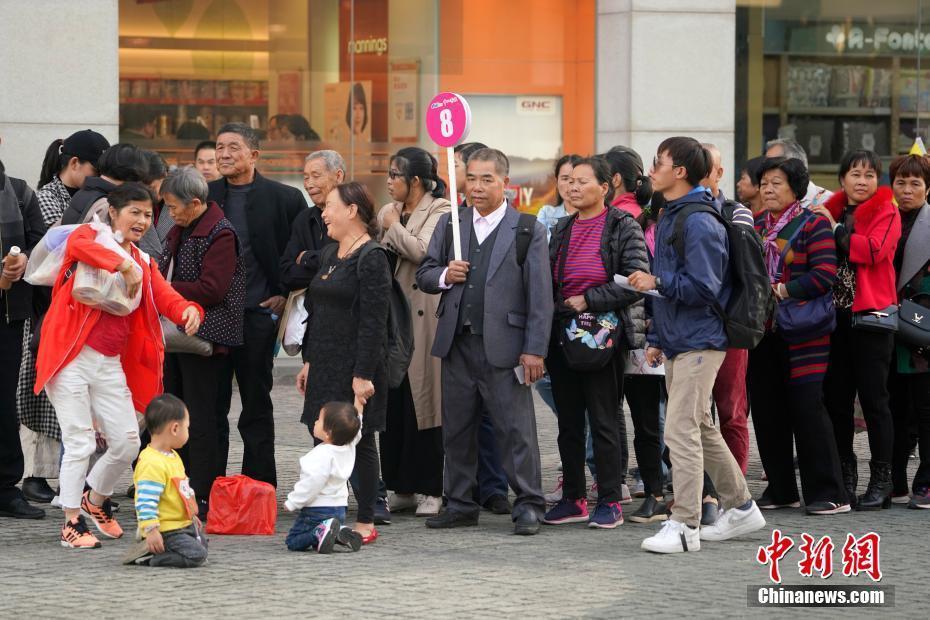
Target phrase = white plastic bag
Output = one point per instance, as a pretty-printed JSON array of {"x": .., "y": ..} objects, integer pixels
[
  {"x": 296, "y": 325},
  {"x": 99, "y": 288},
  {"x": 46, "y": 258}
]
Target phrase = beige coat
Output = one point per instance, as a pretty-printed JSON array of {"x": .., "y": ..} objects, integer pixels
[{"x": 410, "y": 243}]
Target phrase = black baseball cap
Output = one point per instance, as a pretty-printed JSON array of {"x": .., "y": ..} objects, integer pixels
[{"x": 86, "y": 145}]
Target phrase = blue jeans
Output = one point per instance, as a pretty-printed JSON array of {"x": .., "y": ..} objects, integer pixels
[
  {"x": 302, "y": 535},
  {"x": 544, "y": 388}
]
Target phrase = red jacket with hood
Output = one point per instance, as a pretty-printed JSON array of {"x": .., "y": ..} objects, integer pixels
[
  {"x": 877, "y": 226},
  {"x": 69, "y": 322}
]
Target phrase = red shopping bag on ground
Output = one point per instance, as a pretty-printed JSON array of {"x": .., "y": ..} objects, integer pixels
[{"x": 242, "y": 505}]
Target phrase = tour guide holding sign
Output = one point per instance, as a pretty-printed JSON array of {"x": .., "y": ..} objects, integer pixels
[{"x": 485, "y": 347}]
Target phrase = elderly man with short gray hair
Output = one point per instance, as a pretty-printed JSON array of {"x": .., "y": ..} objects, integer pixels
[{"x": 323, "y": 171}]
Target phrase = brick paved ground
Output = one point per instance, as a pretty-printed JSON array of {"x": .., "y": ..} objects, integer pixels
[{"x": 566, "y": 571}]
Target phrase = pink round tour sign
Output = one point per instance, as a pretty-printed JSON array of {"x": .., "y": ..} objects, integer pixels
[{"x": 448, "y": 119}]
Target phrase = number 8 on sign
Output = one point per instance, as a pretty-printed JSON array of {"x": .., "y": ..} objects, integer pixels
[
  {"x": 445, "y": 123},
  {"x": 448, "y": 119}
]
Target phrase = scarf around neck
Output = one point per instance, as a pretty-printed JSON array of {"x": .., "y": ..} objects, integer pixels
[{"x": 773, "y": 226}]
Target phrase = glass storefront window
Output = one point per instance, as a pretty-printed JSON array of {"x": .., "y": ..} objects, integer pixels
[
  {"x": 359, "y": 73},
  {"x": 835, "y": 75}
]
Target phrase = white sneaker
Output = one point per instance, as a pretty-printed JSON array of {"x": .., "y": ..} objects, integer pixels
[
  {"x": 674, "y": 537},
  {"x": 625, "y": 497},
  {"x": 734, "y": 522},
  {"x": 398, "y": 502},
  {"x": 429, "y": 506}
]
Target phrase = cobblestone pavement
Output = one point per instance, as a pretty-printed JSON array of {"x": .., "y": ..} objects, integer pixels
[{"x": 567, "y": 571}]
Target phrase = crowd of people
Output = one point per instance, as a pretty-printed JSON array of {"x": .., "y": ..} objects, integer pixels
[{"x": 420, "y": 349}]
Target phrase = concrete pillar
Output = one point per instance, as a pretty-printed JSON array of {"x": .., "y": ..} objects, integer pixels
[
  {"x": 60, "y": 75},
  {"x": 666, "y": 68}
]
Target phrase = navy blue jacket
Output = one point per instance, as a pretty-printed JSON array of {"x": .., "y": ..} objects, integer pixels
[{"x": 685, "y": 320}]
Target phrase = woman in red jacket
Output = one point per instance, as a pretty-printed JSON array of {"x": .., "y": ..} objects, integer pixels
[
  {"x": 98, "y": 369},
  {"x": 867, "y": 227}
]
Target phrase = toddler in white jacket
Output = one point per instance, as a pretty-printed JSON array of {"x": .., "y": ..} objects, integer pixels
[{"x": 321, "y": 494}]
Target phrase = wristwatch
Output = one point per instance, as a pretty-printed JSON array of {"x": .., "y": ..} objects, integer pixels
[{"x": 658, "y": 282}]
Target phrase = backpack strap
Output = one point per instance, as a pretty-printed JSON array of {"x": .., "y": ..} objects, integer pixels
[
  {"x": 677, "y": 238},
  {"x": 525, "y": 226}
]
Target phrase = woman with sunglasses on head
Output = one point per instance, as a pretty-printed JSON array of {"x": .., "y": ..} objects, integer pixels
[{"x": 866, "y": 227}]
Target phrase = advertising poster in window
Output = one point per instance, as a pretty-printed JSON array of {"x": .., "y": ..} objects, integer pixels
[
  {"x": 348, "y": 112},
  {"x": 529, "y": 130},
  {"x": 403, "y": 93}
]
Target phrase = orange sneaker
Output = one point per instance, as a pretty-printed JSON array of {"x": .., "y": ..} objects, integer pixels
[
  {"x": 102, "y": 516},
  {"x": 75, "y": 535}
]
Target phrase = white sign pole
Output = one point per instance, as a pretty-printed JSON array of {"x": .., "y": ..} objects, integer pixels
[{"x": 453, "y": 198}]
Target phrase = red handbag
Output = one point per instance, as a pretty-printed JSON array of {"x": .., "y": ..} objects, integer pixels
[{"x": 242, "y": 505}]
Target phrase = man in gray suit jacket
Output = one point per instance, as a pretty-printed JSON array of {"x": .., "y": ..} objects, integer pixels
[{"x": 495, "y": 317}]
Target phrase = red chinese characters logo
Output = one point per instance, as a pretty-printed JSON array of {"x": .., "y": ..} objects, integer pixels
[
  {"x": 860, "y": 555},
  {"x": 817, "y": 556},
  {"x": 773, "y": 553}
]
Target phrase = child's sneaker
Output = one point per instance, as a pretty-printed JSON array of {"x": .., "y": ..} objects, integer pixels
[
  {"x": 607, "y": 516},
  {"x": 102, "y": 516},
  {"x": 325, "y": 534},
  {"x": 138, "y": 554},
  {"x": 567, "y": 511},
  {"x": 75, "y": 535},
  {"x": 348, "y": 539}
]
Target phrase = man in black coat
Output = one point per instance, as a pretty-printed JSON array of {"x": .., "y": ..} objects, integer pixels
[
  {"x": 323, "y": 171},
  {"x": 21, "y": 225},
  {"x": 262, "y": 212}
]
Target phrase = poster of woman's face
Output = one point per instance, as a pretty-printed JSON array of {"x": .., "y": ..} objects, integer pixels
[{"x": 348, "y": 111}]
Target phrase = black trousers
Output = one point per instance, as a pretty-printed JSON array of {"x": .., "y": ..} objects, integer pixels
[
  {"x": 411, "y": 459},
  {"x": 859, "y": 362},
  {"x": 644, "y": 393},
  {"x": 597, "y": 393},
  {"x": 252, "y": 364},
  {"x": 195, "y": 379},
  {"x": 11, "y": 451},
  {"x": 788, "y": 414},
  {"x": 910, "y": 407}
]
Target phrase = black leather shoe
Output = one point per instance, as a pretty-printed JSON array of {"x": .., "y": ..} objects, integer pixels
[
  {"x": 709, "y": 513},
  {"x": 19, "y": 508},
  {"x": 449, "y": 519},
  {"x": 878, "y": 492},
  {"x": 526, "y": 523},
  {"x": 37, "y": 490},
  {"x": 498, "y": 504}
]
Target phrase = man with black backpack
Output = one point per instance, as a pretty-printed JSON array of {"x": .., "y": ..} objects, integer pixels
[
  {"x": 694, "y": 276},
  {"x": 495, "y": 317}
]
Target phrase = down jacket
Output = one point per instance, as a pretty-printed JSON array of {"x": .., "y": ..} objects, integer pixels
[{"x": 623, "y": 251}]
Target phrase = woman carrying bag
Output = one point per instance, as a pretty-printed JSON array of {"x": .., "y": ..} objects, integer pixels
[
  {"x": 202, "y": 261},
  {"x": 866, "y": 227},
  {"x": 345, "y": 347},
  {"x": 99, "y": 368},
  {"x": 786, "y": 369},
  {"x": 591, "y": 331},
  {"x": 909, "y": 382}
]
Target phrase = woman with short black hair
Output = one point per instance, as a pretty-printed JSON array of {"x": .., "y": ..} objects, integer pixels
[
  {"x": 787, "y": 368},
  {"x": 866, "y": 227},
  {"x": 345, "y": 345}
]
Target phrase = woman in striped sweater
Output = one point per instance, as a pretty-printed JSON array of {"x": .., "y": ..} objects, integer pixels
[{"x": 786, "y": 379}]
